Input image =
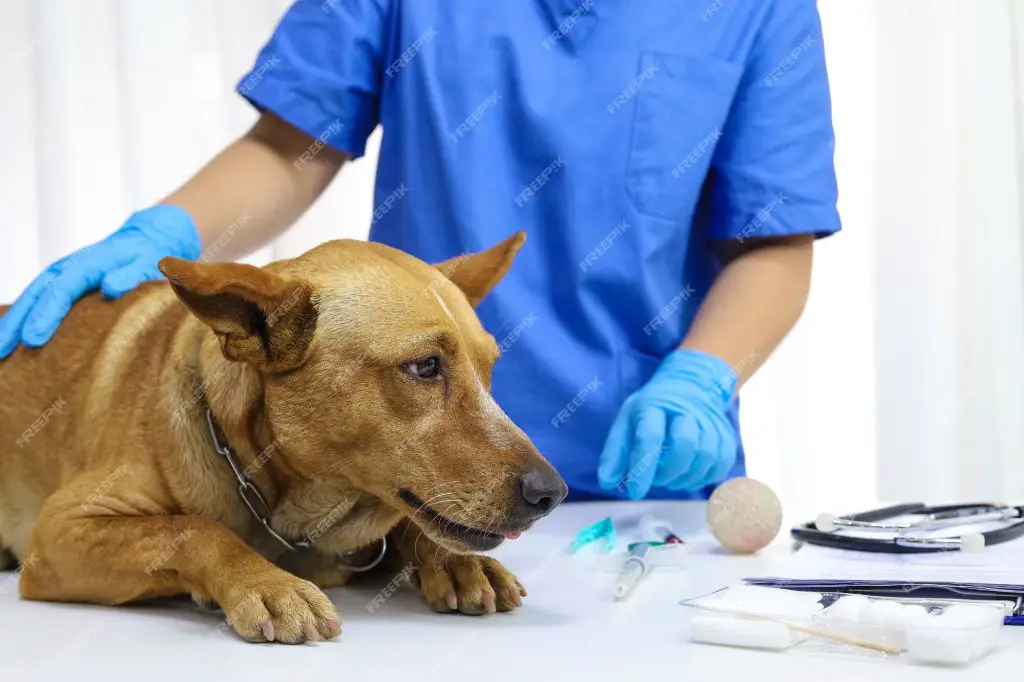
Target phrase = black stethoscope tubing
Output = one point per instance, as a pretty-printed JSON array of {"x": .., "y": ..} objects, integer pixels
[{"x": 809, "y": 533}]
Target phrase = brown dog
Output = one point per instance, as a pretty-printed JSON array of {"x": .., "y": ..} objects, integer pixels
[{"x": 349, "y": 385}]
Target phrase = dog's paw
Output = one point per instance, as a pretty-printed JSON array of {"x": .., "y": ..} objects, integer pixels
[
  {"x": 281, "y": 608},
  {"x": 469, "y": 584}
]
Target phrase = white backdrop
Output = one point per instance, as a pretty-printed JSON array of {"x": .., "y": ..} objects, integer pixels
[{"x": 903, "y": 380}]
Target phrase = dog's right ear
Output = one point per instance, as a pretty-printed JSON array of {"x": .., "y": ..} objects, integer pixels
[{"x": 259, "y": 317}]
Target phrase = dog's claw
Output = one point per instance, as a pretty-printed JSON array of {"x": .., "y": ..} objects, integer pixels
[
  {"x": 452, "y": 601},
  {"x": 268, "y": 630},
  {"x": 333, "y": 628},
  {"x": 489, "y": 606},
  {"x": 311, "y": 633}
]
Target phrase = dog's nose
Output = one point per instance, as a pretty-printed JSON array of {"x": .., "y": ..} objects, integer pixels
[{"x": 539, "y": 492}]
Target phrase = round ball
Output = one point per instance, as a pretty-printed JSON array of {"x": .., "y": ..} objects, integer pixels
[{"x": 744, "y": 515}]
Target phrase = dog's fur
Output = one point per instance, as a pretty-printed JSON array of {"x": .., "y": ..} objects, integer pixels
[{"x": 111, "y": 490}]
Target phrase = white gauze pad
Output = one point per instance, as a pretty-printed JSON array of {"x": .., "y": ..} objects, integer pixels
[{"x": 709, "y": 628}]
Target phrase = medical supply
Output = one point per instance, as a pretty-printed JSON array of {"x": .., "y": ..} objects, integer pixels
[
  {"x": 927, "y": 631},
  {"x": 958, "y": 635},
  {"x": 917, "y": 528},
  {"x": 602, "y": 532},
  {"x": 992, "y": 576},
  {"x": 744, "y": 515},
  {"x": 658, "y": 530},
  {"x": 713, "y": 628},
  {"x": 633, "y": 569}
]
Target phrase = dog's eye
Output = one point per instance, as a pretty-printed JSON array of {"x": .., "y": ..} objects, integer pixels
[{"x": 427, "y": 369}]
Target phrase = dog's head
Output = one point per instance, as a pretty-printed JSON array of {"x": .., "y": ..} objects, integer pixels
[{"x": 376, "y": 370}]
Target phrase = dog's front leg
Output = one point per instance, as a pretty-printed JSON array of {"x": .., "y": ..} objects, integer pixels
[
  {"x": 119, "y": 559},
  {"x": 467, "y": 583}
]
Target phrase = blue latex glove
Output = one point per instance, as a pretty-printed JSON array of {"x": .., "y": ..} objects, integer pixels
[
  {"x": 674, "y": 432},
  {"x": 116, "y": 265}
]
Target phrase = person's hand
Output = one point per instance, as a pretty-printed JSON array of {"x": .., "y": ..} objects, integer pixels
[
  {"x": 116, "y": 265},
  {"x": 675, "y": 431}
]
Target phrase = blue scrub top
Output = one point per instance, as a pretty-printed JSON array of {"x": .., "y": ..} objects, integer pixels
[{"x": 624, "y": 137}]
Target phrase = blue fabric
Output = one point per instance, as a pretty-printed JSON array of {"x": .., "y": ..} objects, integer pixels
[
  {"x": 116, "y": 265},
  {"x": 675, "y": 431},
  {"x": 624, "y": 142}
]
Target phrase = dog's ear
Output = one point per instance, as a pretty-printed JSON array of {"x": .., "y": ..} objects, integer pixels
[
  {"x": 260, "y": 318},
  {"x": 477, "y": 273}
]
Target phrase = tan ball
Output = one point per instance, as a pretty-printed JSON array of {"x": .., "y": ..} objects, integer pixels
[{"x": 744, "y": 515}]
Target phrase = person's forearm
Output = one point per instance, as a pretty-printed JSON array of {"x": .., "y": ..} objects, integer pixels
[
  {"x": 256, "y": 188},
  {"x": 755, "y": 301}
]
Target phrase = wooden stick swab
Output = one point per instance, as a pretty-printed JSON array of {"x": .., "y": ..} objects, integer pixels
[{"x": 834, "y": 636}]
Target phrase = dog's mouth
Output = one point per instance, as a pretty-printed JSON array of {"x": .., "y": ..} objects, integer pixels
[{"x": 474, "y": 538}]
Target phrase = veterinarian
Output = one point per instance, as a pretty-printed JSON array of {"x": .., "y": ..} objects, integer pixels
[{"x": 671, "y": 164}]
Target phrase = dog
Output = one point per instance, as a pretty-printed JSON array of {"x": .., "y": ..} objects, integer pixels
[{"x": 250, "y": 436}]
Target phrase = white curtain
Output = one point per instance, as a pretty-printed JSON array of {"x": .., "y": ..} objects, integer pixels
[
  {"x": 905, "y": 377},
  {"x": 904, "y": 380}
]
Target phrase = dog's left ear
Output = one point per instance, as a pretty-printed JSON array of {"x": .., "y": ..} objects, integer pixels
[
  {"x": 477, "y": 273},
  {"x": 259, "y": 317}
]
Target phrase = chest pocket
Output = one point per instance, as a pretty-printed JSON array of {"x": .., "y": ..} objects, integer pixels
[{"x": 681, "y": 107}]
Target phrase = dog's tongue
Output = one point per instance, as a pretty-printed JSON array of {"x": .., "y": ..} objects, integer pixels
[{"x": 513, "y": 536}]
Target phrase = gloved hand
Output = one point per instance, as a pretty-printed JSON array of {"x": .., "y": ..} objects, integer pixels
[
  {"x": 674, "y": 432},
  {"x": 116, "y": 265}
]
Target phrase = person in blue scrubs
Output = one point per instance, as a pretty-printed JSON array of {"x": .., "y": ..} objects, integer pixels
[{"x": 672, "y": 165}]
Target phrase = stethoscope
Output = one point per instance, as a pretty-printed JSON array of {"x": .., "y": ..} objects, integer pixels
[{"x": 933, "y": 529}]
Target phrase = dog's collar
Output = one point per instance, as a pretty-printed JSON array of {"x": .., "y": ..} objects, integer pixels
[{"x": 257, "y": 504}]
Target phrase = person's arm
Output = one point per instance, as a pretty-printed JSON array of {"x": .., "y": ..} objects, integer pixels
[
  {"x": 772, "y": 191},
  {"x": 256, "y": 188},
  {"x": 754, "y": 303}
]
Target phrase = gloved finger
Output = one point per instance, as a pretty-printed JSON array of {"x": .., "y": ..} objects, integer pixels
[
  {"x": 708, "y": 452},
  {"x": 729, "y": 452},
  {"x": 680, "y": 449},
  {"x": 611, "y": 468},
  {"x": 13, "y": 321},
  {"x": 648, "y": 441},
  {"x": 74, "y": 277},
  {"x": 126, "y": 278}
]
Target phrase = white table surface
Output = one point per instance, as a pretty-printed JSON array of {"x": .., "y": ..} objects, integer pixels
[{"x": 569, "y": 628}]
